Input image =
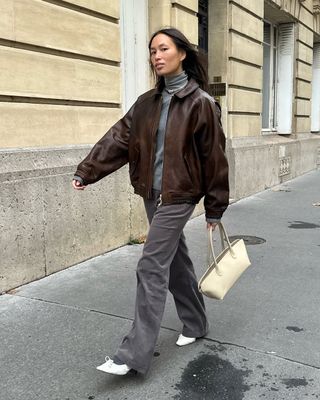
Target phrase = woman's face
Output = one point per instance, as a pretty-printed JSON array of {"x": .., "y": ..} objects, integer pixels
[{"x": 165, "y": 57}]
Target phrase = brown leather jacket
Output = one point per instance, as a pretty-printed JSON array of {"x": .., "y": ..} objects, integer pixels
[{"x": 194, "y": 162}]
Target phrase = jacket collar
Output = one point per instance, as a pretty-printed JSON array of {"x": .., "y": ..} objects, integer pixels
[{"x": 191, "y": 86}]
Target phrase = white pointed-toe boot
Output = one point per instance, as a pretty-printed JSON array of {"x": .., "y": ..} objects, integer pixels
[
  {"x": 184, "y": 340},
  {"x": 111, "y": 368}
]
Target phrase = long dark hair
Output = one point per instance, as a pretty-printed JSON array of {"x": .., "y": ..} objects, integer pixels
[{"x": 194, "y": 64}]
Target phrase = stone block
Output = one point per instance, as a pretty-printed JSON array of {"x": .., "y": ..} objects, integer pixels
[
  {"x": 7, "y": 19},
  {"x": 306, "y": 17},
  {"x": 159, "y": 14},
  {"x": 304, "y": 153},
  {"x": 244, "y": 100},
  {"x": 303, "y": 107},
  {"x": 217, "y": 55},
  {"x": 245, "y": 75},
  {"x": 245, "y": 49},
  {"x": 186, "y": 22},
  {"x": 244, "y": 125},
  {"x": 110, "y": 8},
  {"x": 25, "y": 73},
  {"x": 245, "y": 23},
  {"x": 252, "y": 172},
  {"x": 30, "y": 125},
  {"x": 304, "y": 71},
  {"x": 218, "y": 12},
  {"x": 190, "y": 4},
  {"x": 305, "y": 35},
  {"x": 304, "y": 53},
  {"x": 256, "y": 7},
  {"x": 80, "y": 225},
  {"x": 21, "y": 233},
  {"x": 36, "y": 23},
  {"x": 304, "y": 89},
  {"x": 22, "y": 164},
  {"x": 303, "y": 124}
]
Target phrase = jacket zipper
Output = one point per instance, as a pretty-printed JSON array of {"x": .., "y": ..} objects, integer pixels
[
  {"x": 154, "y": 137},
  {"x": 159, "y": 202},
  {"x": 164, "y": 149}
]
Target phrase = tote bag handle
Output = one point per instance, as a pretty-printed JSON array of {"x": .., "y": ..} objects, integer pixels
[{"x": 224, "y": 238}]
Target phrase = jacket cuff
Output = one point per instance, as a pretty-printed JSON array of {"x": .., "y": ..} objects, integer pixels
[
  {"x": 214, "y": 214},
  {"x": 79, "y": 179},
  {"x": 213, "y": 220}
]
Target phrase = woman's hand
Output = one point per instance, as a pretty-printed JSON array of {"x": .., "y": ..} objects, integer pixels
[
  {"x": 77, "y": 185},
  {"x": 212, "y": 225}
]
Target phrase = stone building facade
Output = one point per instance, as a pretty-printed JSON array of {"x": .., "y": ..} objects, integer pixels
[
  {"x": 70, "y": 68},
  {"x": 267, "y": 56}
]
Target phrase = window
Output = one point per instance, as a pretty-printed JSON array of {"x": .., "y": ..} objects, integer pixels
[
  {"x": 203, "y": 30},
  {"x": 315, "y": 111},
  {"x": 285, "y": 78},
  {"x": 270, "y": 36},
  {"x": 203, "y": 25},
  {"x": 278, "y": 61}
]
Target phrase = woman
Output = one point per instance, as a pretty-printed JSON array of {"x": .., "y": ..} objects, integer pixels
[{"x": 174, "y": 143}]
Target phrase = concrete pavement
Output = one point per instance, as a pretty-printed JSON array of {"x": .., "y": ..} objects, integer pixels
[{"x": 264, "y": 341}]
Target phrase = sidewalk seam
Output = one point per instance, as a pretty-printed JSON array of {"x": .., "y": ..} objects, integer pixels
[{"x": 174, "y": 330}]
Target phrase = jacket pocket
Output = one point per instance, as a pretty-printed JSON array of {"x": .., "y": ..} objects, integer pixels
[
  {"x": 194, "y": 172},
  {"x": 189, "y": 170},
  {"x": 133, "y": 168}
]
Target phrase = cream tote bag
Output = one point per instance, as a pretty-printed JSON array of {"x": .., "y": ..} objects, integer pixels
[{"x": 224, "y": 270}]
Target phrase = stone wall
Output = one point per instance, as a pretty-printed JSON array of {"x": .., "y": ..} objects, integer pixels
[
  {"x": 259, "y": 164},
  {"x": 60, "y": 90},
  {"x": 46, "y": 226},
  {"x": 59, "y": 71}
]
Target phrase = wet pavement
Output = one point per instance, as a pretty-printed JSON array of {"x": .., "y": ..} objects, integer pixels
[{"x": 264, "y": 336}]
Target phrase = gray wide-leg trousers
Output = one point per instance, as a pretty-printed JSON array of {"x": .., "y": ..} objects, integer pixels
[{"x": 165, "y": 264}]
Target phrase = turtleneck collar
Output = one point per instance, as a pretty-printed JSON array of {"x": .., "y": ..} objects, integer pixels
[{"x": 176, "y": 82}]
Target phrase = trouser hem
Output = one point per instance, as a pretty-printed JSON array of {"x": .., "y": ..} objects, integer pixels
[
  {"x": 197, "y": 335},
  {"x": 135, "y": 367}
]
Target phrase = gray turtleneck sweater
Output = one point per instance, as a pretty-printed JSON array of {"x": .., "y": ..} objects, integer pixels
[{"x": 172, "y": 85}]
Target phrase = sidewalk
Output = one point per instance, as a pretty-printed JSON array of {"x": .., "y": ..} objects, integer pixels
[{"x": 264, "y": 341}]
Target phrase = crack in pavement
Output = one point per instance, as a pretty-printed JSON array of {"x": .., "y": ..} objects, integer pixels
[{"x": 174, "y": 330}]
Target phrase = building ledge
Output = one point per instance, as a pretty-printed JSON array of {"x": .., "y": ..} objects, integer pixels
[{"x": 269, "y": 140}]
